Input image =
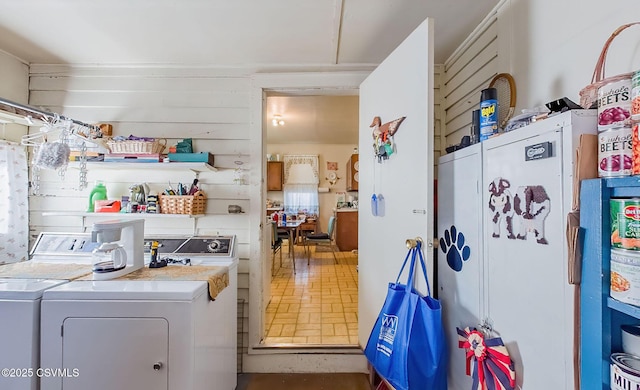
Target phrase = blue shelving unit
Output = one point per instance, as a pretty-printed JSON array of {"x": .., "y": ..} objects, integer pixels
[{"x": 600, "y": 315}]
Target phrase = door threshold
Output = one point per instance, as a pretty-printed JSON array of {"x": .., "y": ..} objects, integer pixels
[{"x": 308, "y": 348}]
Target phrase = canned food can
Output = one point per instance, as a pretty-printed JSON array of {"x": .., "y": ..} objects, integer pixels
[
  {"x": 625, "y": 223},
  {"x": 615, "y": 152},
  {"x": 625, "y": 276},
  {"x": 624, "y": 373},
  {"x": 614, "y": 104},
  {"x": 635, "y": 144},
  {"x": 635, "y": 96}
]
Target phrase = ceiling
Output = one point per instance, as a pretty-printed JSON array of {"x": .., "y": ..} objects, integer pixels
[
  {"x": 313, "y": 120},
  {"x": 256, "y": 35}
]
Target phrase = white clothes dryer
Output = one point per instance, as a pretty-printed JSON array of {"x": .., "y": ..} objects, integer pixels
[{"x": 145, "y": 334}]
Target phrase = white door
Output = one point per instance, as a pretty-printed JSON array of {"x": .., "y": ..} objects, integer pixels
[
  {"x": 402, "y": 86},
  {"x": 116, "y": 353}
]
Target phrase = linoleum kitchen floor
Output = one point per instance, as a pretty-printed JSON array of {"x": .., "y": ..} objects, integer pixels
[
  {"x": 316, "y": 305},
  {"x": 323, "y": 381}
]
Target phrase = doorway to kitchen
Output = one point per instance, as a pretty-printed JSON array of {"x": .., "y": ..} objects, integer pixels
[{"x": 315, "y": 305}]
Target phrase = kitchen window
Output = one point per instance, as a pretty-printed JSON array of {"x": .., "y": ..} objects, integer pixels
[{"x": 301, "y": 184}]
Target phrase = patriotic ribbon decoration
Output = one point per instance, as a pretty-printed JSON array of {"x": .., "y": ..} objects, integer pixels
[{"x": 492, "y": 366}]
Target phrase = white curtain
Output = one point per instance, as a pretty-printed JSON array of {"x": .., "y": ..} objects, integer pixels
[
  {"x": 301, "y": 184},
  {"x": 14, "y": 207}
]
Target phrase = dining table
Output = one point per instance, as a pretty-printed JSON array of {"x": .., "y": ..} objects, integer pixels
[{"x": 292, "y": 227}]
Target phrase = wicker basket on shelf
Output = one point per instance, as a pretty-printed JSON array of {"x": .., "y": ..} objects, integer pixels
[
  {"x": 183, "y": 204},
  {"x": 137, "y": 146}
]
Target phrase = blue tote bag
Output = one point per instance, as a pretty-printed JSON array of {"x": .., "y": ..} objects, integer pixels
[{"x": 407, "y": 344}]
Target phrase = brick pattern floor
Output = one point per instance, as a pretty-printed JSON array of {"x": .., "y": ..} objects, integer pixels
[{"x": 317, "y": 305}]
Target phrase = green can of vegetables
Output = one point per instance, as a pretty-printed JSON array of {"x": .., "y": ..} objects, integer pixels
[{"x": 625, "y": 223}]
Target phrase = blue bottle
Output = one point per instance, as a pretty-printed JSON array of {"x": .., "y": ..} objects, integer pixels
[{"x": 284, "y": 219}]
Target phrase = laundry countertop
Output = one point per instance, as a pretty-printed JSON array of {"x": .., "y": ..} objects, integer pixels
[
  {"x": 37, "y": 270},
  {"x": 216, "y": 276}
]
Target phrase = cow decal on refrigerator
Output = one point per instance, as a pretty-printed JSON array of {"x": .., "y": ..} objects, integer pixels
[
  {"x": 529, "y": 206},
  {"x": 501, "y": 206}
]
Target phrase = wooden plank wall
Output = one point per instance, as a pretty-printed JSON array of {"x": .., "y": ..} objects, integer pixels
[
  {"x": 438, "y": 115},
  {"x": 467, "y": 72},
  {"x": 211, "y": 107}
]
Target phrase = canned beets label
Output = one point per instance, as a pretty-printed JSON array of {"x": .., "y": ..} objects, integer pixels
[
  {"x": 614, "y": 104},
  {"x": 615, "y": 152},
  {"x": 625, "y": 223}
]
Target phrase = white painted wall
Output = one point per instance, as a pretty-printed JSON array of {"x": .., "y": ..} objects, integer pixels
[
  {"x": 14, "y": 86},
  {"x": 549, "y": 47},
  {"x": 549, "y": 63},
  {"x": 221, "y": 110},
  {"x": 210, "y": 107}
]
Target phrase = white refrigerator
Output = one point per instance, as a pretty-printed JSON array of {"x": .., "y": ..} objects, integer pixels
[{"x": 522, "y": 280}]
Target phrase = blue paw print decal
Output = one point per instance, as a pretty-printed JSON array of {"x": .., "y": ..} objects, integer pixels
[{"x": 452, "y": 244}]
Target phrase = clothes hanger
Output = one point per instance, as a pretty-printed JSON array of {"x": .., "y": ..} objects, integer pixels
[{"x": 41, "y": 137}]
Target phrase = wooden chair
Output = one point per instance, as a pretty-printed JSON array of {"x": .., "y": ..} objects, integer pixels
[
  {"x": 276, "y": 246},
  {"x": 327, "y": 238}
]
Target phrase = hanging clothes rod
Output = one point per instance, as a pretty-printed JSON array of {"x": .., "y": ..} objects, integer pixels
[{"x": 32, "y": 112}]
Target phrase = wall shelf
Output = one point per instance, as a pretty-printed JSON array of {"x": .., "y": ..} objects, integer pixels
[
  {"x": 90, "y": 217},
  {"x": 118, "y": 215},
  {"x": 625, "y": 308},
  {"x": 195, "y": 167},
  {"x": 601, "y": 316}
]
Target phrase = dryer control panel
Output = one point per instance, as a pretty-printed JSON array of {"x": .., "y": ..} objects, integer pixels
[{"x": 221, "y": 246}]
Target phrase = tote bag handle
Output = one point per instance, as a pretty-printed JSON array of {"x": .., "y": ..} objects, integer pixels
[{"x": 410, "y": 280}]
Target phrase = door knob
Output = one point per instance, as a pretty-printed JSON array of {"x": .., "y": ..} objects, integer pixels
[{"x": 157, "y": 366}]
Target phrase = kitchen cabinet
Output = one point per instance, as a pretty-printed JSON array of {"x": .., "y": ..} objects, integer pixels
[
  {"x": 347, "y": 229},
  {"x": 353, "y": 175},
  {"x": 275, "y": 175},
  {"x": 601, "y": 316}
]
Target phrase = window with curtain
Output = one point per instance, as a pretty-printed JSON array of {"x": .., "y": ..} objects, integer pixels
[
  {"x": 301, "y": 180},
  {"x": 14, "y": 212}
]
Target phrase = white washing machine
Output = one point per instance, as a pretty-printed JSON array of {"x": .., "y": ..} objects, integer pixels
[
  {"x": 145, "y": 334},
  {"x": 21, "y": 288}
]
